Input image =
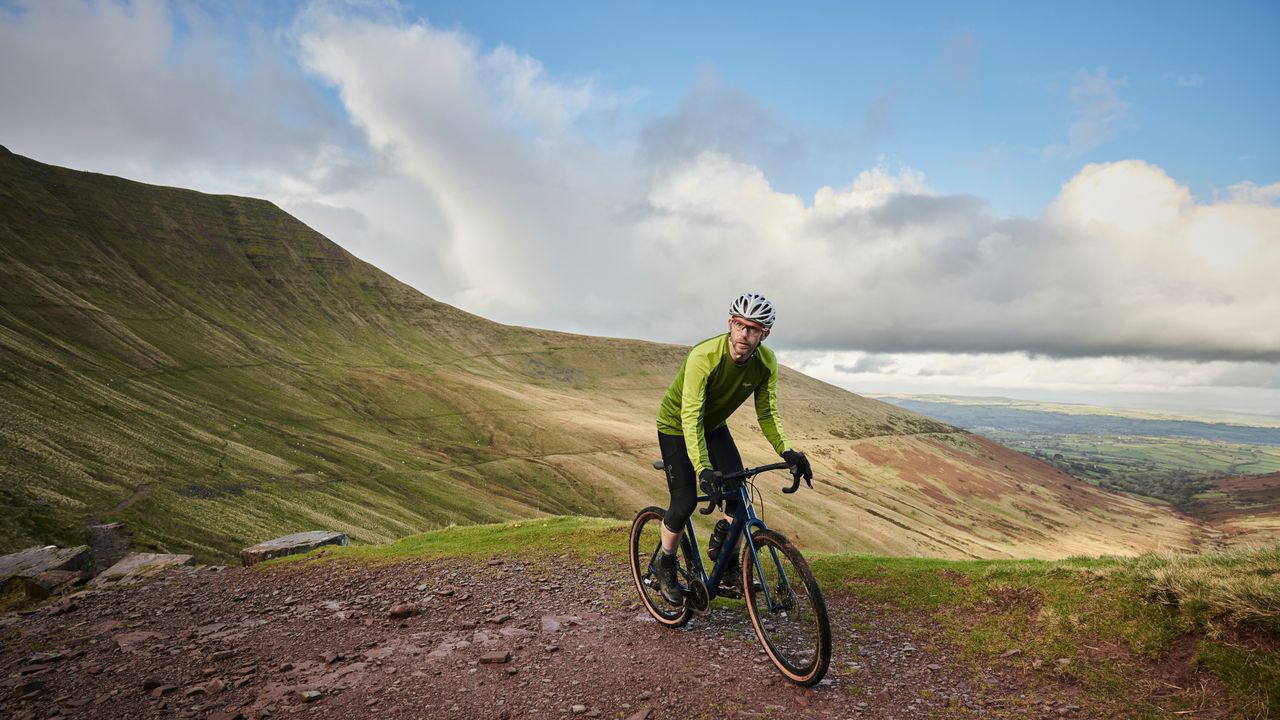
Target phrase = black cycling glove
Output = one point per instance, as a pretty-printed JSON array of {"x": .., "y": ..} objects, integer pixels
[
  {"x": 709, "y": 481},
  {"x": 796, "y": 459}
]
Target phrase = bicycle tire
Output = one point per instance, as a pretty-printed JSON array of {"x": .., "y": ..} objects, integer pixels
[
  {"x": 645, "y": 536},
  {"x": 796, "y": 633}
]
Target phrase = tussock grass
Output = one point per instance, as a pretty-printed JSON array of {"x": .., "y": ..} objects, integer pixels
[
  {"x": 1136, "y": 608},
  {"x": 13, "y": 596},
  {"x": 1240, "y": 586}
]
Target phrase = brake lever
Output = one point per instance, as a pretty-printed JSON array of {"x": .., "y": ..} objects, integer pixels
[
  {"x": 713, "y": 497},
  {"x": 795, "y": 481}
]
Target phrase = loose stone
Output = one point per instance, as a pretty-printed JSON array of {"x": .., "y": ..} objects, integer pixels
[{"x": 496, "y": 657}]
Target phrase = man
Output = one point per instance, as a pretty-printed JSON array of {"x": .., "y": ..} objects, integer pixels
[{"x": 716, "y": 378}]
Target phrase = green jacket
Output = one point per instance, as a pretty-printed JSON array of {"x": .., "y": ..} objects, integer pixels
[{"x": 710, "y": 386}]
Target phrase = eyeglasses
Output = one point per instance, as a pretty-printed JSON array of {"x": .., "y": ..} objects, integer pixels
[{"x": 745, "y": 329}]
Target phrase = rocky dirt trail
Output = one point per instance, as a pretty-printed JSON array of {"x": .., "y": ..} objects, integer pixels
[{"x": 553, "y": 638}]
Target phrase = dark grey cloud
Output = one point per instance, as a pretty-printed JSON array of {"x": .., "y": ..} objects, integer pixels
[
  {"x": 869, "y": 363},
  {"x": 901, "y": 212},
  {"x": 717, "y": 117}
]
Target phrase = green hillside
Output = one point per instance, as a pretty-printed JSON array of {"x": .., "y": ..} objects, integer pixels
[{"x": 213, "y": 372}]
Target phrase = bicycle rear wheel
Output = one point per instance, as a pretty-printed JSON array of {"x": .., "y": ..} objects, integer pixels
[
  {"x": 646, "y": 543},
  {"x": 786, "y": 608}
]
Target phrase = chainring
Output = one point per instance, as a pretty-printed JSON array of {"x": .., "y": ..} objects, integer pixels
[{"x": 698, "y": 597}]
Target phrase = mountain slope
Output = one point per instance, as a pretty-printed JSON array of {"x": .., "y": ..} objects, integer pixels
[{"x": 213, "y": 372}]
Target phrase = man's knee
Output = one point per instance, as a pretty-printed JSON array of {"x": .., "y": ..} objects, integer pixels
[{"x": 678, "y": 514}]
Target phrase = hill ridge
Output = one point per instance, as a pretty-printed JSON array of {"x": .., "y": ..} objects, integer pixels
[{"x": 263, "y": 380}]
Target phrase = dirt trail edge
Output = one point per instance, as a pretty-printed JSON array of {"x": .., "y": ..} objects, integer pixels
[{"x": 551, "y": 638}]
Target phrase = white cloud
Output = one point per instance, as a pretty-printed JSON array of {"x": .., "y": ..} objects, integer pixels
[
  {"x": 1124, "y": 262},
  {"x": 532, "y": 97},
  {"x": 519, "y": 207},
  {"x": 1217, "y": 387},
  {"x": 1098, "y": 113},
  {"x": 115, "y": 87},
  {"x": 1252, "y": 194}
]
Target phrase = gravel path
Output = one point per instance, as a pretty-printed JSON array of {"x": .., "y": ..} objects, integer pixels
[{"x": 455, "y": 639}]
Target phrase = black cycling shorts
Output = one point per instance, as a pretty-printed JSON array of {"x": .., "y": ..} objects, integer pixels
[{"x": 683, "y": 482}]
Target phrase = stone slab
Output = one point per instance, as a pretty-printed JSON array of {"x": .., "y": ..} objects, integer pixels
[
  {"x": 50, "y": 582},
  {"x": 35, "y": 560},
  {"x": 290, "y": 544},
  {"x": 137, "y": 566}
]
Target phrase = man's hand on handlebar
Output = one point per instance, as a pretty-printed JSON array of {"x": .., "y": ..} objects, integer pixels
[
  {"x": 799, "y": 465},
  {"x": 710, "y": 481}
]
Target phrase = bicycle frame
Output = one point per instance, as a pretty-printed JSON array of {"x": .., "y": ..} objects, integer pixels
[
  {"x": 798, "y": 643},
  {"x": 744, "y": 519}
]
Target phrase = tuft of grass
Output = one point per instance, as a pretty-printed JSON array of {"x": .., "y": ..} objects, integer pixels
[
  {"x": 1050, "y": 611},
  {"x": 1240, "y": 586},
  {"x": 13, "y": 596}
]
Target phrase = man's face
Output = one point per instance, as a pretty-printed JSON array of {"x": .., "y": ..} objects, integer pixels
[{"x": 744, "y": 337}]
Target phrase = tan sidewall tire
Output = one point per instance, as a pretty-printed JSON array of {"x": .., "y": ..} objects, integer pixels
[
  {"x": 822, "y": 659},
  {"x": 637, "y": 573}
]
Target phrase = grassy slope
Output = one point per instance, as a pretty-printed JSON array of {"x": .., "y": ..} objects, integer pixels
[
  {"x": 1124, "y": 626},
  {"x": 214, "y": 373},
  {"x": 1246, "y": 507}
]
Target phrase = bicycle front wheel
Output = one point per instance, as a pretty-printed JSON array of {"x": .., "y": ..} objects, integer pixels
[
  {"x": 646, "y": 543},
  {"x": 786, "y": 608}
]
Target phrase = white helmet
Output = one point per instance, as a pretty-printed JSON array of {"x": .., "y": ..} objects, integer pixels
[{"x": 756, "y": 308}]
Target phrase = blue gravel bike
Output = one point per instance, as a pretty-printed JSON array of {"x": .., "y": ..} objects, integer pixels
[{"x": 782, "y": 596}]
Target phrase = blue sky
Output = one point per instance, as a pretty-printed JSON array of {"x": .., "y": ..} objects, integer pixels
[{"x": 1064, "y": 201}]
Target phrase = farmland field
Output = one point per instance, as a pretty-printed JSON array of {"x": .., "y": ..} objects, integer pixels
[{"x": 1163, "y": 459}]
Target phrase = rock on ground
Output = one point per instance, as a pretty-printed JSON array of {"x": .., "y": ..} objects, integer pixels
[{"x": 302, "y": 542}]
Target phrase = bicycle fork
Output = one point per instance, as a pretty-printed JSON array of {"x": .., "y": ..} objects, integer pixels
[{"x": 784, "y": 583}]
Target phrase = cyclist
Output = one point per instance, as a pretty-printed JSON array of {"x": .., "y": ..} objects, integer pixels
[{"x": 716, "y": 378}]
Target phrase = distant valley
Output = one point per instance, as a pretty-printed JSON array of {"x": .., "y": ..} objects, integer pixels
[{"x": 1208, "y": 469}]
